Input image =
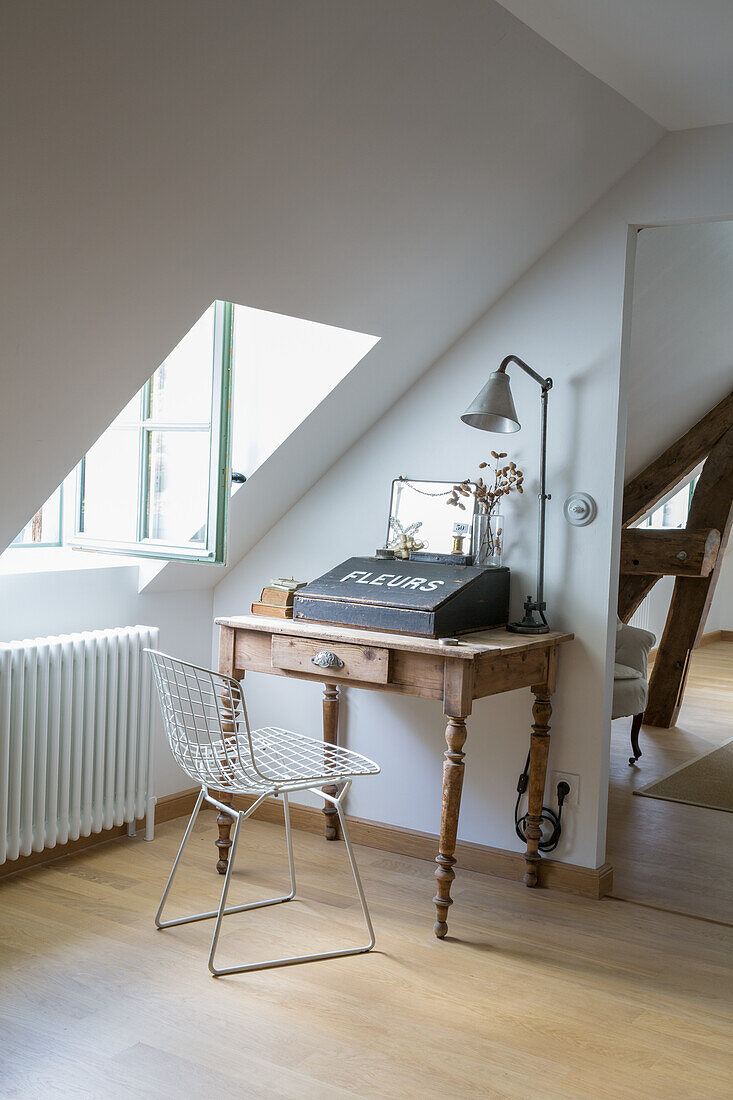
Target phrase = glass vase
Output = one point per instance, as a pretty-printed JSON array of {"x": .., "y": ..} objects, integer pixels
[{"x": 488, "y": 539}]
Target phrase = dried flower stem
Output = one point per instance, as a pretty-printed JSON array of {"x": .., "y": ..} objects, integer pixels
[{"x": 503, "y": 479}]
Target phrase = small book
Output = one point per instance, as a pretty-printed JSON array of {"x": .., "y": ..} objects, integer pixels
[
  {"x": 272, "y": 610},
  {"x": 277, "y": 597}
]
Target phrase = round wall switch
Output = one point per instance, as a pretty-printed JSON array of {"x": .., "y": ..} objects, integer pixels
[{"x": 580, "y": 509}]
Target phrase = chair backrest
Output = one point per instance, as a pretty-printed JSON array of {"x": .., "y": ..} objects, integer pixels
[{"x": 206, "y": 722}]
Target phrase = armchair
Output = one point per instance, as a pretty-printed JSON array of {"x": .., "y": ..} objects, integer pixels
[{"x": 630, "y": 687}]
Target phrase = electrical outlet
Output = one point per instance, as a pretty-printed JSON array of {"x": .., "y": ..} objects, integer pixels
[{"x": 573, "y": 781}]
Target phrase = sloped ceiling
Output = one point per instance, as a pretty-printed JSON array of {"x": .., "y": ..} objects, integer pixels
[
  {"x": 672, "y": 58},
  {"x": 386, "y": 167},
  {"x": 681, "y": 348}
]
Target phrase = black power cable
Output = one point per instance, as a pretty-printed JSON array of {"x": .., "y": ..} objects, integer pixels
[{"x": 554, "y": 820}]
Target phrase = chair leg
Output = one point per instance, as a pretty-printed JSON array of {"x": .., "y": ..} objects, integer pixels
[
  {"x": 289, "y": 843},
  {"x": 635, "y": 728},
  {"x": 357, "y": 877},
  {"x": 220, "y": 912},
  {"x": 291, "y": 960},
  {"x": 191, "y": 822}
]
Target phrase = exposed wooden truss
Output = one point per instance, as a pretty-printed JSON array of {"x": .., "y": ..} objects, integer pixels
[
  {"x": 682, "y": 553},
  {"x": 693, "y": 556},
  {"x": 692, "y": 596}
]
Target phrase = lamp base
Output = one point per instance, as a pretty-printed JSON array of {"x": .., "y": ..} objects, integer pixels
[
  {"x": 528, "y": 628},
  {"x": 530, "y": 624}
]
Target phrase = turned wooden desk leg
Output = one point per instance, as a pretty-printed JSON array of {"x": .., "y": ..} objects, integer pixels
[
  {"x": 330, "y": 736},
  {"x": 455, "y": 736},
  {"x": 224, "y": 821},
  {"x": 224, "y": 840},
  {"x": 539, "y": 749}
]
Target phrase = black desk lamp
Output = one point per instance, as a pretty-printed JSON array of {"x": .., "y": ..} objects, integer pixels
[{"x": 493, "y": 411}]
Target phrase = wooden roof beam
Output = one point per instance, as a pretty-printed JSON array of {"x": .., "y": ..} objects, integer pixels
[
  {"x": 712, "y": 506},
  {"x": 678, "y": 553}
]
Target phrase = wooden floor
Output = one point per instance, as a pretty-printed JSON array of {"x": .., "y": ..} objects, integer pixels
[
  {"x": 665, "y": 854},
  {"x": 535, "y": 994}
]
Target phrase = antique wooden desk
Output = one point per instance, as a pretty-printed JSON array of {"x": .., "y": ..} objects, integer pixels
[{"x": 485, "y": 663}]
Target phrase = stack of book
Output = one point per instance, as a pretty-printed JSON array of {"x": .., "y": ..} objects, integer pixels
[{"x": 276, "y": 598}]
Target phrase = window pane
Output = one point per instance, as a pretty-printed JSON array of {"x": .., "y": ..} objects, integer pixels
[
  {"x": 178, "y": 487},
  {"x": 45, "y": 526},
  {"x": 673, "y": 514},
  {"x": 180, "y": 390},
  {"x": 109, "y": 504}
]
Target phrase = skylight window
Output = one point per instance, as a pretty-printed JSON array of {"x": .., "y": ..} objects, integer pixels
[{"x": 157, "y": 482}]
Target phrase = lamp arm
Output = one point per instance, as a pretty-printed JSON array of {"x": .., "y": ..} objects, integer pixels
[{"x": 545, "y": 383}]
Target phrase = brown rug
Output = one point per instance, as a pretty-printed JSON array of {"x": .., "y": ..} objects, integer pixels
[{"x": 707, "y": 781}]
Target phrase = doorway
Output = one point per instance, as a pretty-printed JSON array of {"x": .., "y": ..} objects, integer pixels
[{"x": 669, "y": 839}]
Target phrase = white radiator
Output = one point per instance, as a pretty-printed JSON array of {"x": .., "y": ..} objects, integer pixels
[
  {"x": 641, "y": 615},
  {"x": 75, "y": 737}
]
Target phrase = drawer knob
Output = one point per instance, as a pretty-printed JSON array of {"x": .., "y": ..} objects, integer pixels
[{"x": 326, "y": 659}]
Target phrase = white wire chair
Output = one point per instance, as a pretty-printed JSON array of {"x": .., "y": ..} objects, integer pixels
[{"x": 208, "y": 730}]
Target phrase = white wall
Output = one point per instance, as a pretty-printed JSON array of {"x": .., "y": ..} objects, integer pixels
[
  {"x": 565, "y": 317},
  {"x": 39, "y": 604},
  {"x": 681, "y": 353},
  {"x": 385, "y": 167},
  {"x": 720, "y": 616}
]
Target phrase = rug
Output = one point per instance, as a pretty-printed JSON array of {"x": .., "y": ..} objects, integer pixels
[{"x": 706, "y": 781}]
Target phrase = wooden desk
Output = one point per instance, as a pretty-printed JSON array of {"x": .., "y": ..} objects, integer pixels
[{"x": 485, "y": 663}]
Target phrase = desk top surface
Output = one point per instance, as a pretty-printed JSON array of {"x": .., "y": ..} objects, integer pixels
[{"x": 469, "y": 645}]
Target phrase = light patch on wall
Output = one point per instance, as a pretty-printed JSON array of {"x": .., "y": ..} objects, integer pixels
[{"x": 283, "y": 368}]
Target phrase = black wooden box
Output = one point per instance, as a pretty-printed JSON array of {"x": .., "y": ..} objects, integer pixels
[{"x": 409, "y": 597}]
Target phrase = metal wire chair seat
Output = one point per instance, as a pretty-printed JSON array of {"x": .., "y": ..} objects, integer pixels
[
  {"x": 283, "y": 760},
  {"x": 209, "y": 734}
]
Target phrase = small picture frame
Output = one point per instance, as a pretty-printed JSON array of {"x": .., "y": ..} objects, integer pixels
[{"x": 418, "y": 511}]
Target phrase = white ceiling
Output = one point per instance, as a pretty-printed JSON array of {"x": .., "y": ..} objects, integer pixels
[{"x": 672, "y": 58}]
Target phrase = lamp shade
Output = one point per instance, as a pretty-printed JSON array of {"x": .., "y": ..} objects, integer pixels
[{"x": 493, "y": 409}]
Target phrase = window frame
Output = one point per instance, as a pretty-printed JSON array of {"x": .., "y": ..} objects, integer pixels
[
  {"x": 219, "y": 430},
  {"x": 44, "y": 544},
  {"x": 646, "y": 522}
]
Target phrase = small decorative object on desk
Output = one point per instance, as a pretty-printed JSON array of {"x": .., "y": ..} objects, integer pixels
[
  {"x": 405, "y": 544},
  {"x": 276, "y": 598},
  {"x": 288, "y": 584},
  {"x": 488, "y": 524},
  {"x": 488, "y": 539},
  {"x": 417, "y": 512}
]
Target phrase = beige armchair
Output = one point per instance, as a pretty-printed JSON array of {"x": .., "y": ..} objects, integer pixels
[{"x": 630, "y": 687}]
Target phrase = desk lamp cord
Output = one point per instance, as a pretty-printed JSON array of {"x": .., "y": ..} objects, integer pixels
[{"x": 550, "y": 843}]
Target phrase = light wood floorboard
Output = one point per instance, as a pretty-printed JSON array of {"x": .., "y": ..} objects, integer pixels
[
  {"x": 666, "y": 854},
  {"x": 534, "y": 994}
]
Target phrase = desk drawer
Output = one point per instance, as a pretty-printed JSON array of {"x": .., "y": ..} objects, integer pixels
[{"x": 357, "y": 662}]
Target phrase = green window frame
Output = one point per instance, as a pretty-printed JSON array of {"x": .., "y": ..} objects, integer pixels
[{"x": 212, "y": 549}]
